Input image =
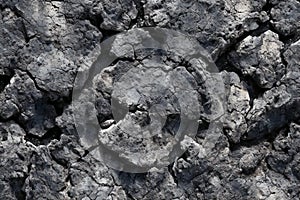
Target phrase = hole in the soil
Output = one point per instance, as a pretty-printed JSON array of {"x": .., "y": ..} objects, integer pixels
[
  {"x": 267, "y": 7},
  {"x": 61, "y": 104},
  {"x": 96, "y": 20},
  {"x": 16, "y": 185},
  {"x": 4, "y": 81},
  {"x": 172, "y": 124},
  {"x": 53, "y": 133}
]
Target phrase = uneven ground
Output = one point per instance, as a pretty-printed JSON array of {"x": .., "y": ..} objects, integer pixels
[{"x": 255, "y": 45}]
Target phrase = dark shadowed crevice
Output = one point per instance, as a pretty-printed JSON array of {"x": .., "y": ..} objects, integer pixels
[
  {"x": 61, "y": 103},
  {"x": 184, "y": 156},
  {"x": 140, "y": 8},
  {"x": 60, "y": 162},
  {"x": 107, "y": 33},
  {"x": 269, "y": 138},
  {"x": 284, "y": 62},
  {"x": 16, "y": 185},
  {"x": 140, "y": 19},
  {"x": 288, "y": 40},
  {"x": 97, "y": 20},
  {"x": 3, "y": 134},
  {"x": 172, "y": 124},
  {"x": 11, "y": 7},
  {"x": 172, "y": 173},
  {"x": 201, "y": 131},
  {"x": 4, "y": 80},
  {"x": 51, "y": 134},
  {"x": 267, "y": 7}
]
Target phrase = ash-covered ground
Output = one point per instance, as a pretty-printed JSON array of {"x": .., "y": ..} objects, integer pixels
[{"x": 255, "y": 154}]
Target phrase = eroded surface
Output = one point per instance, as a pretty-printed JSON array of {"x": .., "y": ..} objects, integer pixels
[{"x": 254, "y": 156}]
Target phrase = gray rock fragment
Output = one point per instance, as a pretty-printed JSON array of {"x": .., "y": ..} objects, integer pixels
[
  {"x": 238, "y": 104},
  {"x": 46, "y": 179},
  {"x": 279, "y": 105},
  {"x": 291, "y": 77},
  {"x": 92, "y": 180},
  {"x": 214, "y": 23},
  {"x": 250, "y": 160},
  {"x": 21, "y": 99},
  {"x": 259, "y": 57},
  {"x": 285, "y": 17},
  {"x": 12, "y": 38},
  {"x": 15, "y": 164},
  {"x": 269, "y": 113}
]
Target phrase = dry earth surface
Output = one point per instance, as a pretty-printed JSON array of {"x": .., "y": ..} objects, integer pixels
[{"x": 256, "y": 47}]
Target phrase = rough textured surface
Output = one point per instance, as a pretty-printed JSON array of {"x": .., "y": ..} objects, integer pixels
[
  {"x": 259, "y": 58},
  {"x": 285, "y": 17},
  {"x": 256, "y": 47}
]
